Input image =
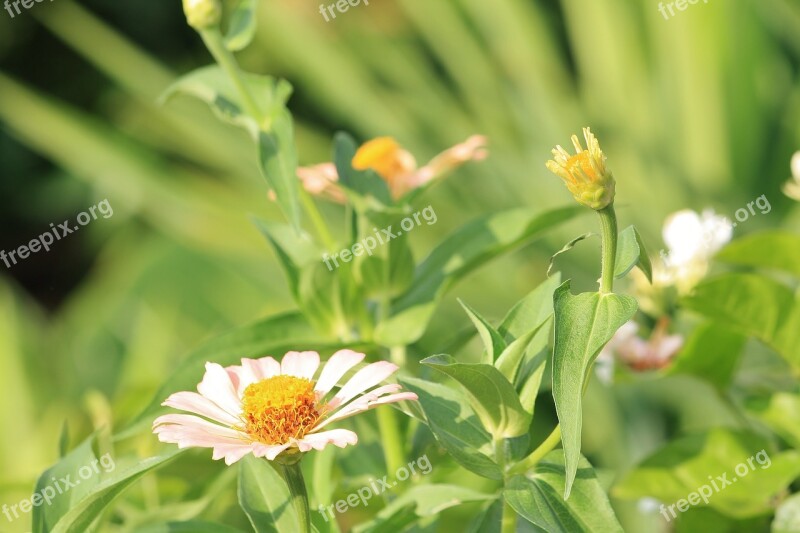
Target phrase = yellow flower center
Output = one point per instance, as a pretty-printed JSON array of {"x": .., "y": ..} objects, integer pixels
[
  {"x": 383, "y": 155},
  {"x": 279, "y": 408},
  {"x": 582, "y": 161}
]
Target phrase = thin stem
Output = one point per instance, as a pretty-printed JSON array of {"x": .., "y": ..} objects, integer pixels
[
  {"x": 293, "y": 475},
  {"x": 536, "y": 455},
  {"x": 213, "y": 40},
  {"x": 388, "y": 426},
  {"x": 608, "y": 220},
  {"x": 316, "y": 220}
]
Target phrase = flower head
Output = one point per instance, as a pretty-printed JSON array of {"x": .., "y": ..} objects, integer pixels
[
  {"x": 637, "y": 353},
  {"x": 792, "y": 187},
  {"x": 202, "y": 14},
  {"x": 395, "y": 165},
  {"x": 585, "y": 173},
  {"x": 269, "y": 408}
]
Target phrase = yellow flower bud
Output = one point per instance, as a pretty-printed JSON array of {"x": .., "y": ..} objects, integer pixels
[
  {"x": 585, "y": 173},
  {"x": 202, "y": 14}
]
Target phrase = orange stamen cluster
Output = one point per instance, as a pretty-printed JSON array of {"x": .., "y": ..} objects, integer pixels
[
  {"x": 279, "y": 408},
  {"x": 582, "y": 161},
  {"x": 383, "y": 155}
]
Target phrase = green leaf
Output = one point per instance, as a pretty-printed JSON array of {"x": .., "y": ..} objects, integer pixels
[
  {"x": 295, "y": 250},
  {"x": 270, "y": 336},
  {"x": 264, "y": 497},
  {"x": 45, "y": 516},
  {"x": 732, "y": 467},
  {"x": 454, "y": 424},
  {"x": 242, "y": 26},
  {"x": 566, "y": 248},
  {"x": 631, "y": 252},
  {"x": 534, "y": 309},
  {"x": 87, "y": 507},
  {"x": 493, "y": 343},
  {"x": 191, "y": 526},
  {"x": 787, "y": 517},
  {"x": 583, "y": 325},
  {"x": 274, "y": 135},
  {"x": 533, "y": 382},
  {"x": 460, "y": 254},
  {"x": 489, "y": 520},
  {"x": 755, "y": 305},
  {"x": 365, "y": 188},
  {"x": 781, "y": 412},
  {"x": 537, "y": 498},
  {"x": 418, "y": 502},
  {"x": 491, "y": 395},
  {"x": 510, "y": 360},
  {"x": 712, "y": 353},
  {"x": 774, "y": 250}
]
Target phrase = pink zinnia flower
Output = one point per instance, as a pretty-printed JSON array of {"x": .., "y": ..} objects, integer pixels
[
  {"x": 393, "y": 164},
  {"x": 267, "y": 408}
]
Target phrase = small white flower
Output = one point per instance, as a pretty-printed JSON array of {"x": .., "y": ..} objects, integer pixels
[{"x": 792, "y": 187}]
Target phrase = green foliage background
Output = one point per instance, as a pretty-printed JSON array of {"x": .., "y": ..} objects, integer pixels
[{"x": 699, "y": 110}]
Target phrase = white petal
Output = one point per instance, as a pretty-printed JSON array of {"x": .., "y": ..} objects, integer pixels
[
  {"x": 269, "y": 451},
  {"x": 218, "y": 387},
  {"x": 199, "y": 404},
  {"x": 300, "y": 364},
  {"x": 366, "y": 402},
  {"x": 796, "y": 166},
  {"x": 364, "y": 379},
  {"x": 192, "y": 431},
  {"x": 336, "y": 367},
  {"x": 255, "y": 370},
  {"x": 232, "y": 452},
  {"x": 318, "y": 441}
]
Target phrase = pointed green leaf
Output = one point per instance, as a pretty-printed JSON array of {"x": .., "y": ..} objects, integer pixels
[
  {"x": 773, "y": 250},
  {"x": 631, "y": 252},
  {"x": 566, "y": 248},
  {"x": 530, "y": 389},
  {"x": 242, "y": 26},
  {"x": 534, "y": 309},
  {"x": 86, "y": 508},
  {"x": 583, "y": 325},
  {"x": 537, "y": 497},
  {"x": 754, "y": 305},
  {"x": 493, "y": 343},
  {"x": 264, "y": 497},
  {"x": 754, "y": 475},
  {"x": 491, "y": 395},
  {"x": 509, "y": 361},
  {"x": 455, "y": 425}
]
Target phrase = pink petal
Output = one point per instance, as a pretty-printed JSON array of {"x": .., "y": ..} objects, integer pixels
[
  {"x": 199, "y": 404},
  {"x": 473, "y": 149},
  {"x": 318, "y": 441},
  {"x": 364, "y": 403},
  {"x": 269, "y": 451},
  {"x": 367, "y": 377},
  {"x": 300, "y": 364},
  {"x": 218, "y": 387},
  {"x": 336, "y": 367}
]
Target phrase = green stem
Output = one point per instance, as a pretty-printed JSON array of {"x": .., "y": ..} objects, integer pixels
[
  {"x": 508, "y": 522},
  {"x": 392, "y": 441},
  {"x": 608, "y": 220},
  {"x": 213, "y": 40},
  {"x": 316, "y": 220},
  {"x": 293, "y": 475},
  {"x": 536, "y": 455}
]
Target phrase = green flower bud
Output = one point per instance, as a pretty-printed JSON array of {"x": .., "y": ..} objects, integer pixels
[{"x": 202, "y": 14}]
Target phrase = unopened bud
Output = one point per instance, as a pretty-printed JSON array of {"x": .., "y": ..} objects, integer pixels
[{"x": 202, "y": 14}]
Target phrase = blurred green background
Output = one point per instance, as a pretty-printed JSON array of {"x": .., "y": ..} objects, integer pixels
[{"x": 702, "y": 110}]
